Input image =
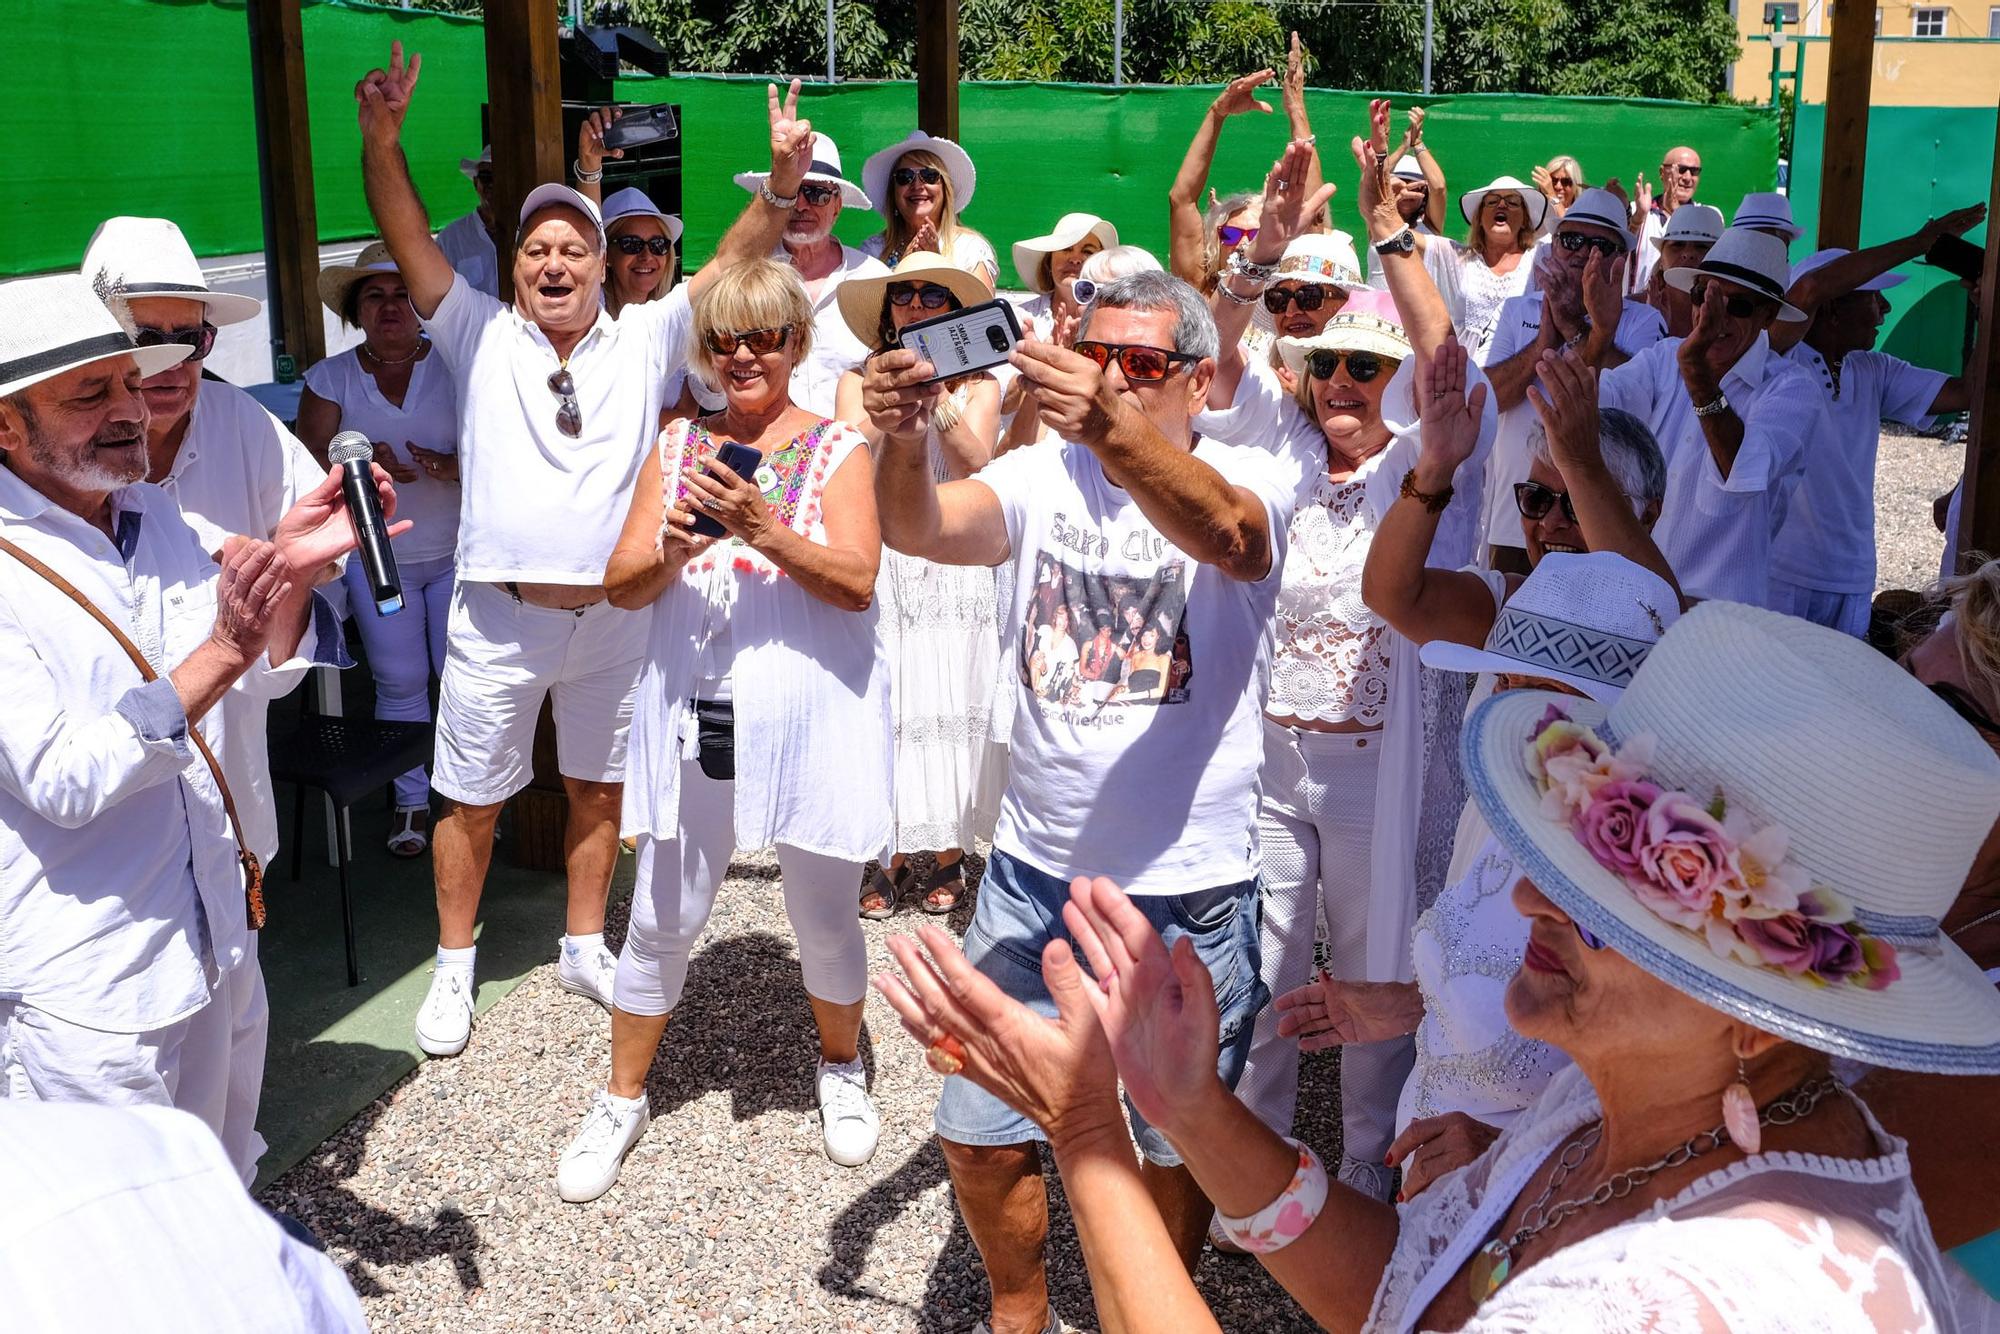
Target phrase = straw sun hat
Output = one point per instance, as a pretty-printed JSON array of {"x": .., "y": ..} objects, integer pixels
[
  {"x": 148, "y": 257},
  {"x": 56, "y": 323},
  {"x": 1785, "y": 818},
  {"x": 1367, "y": 323},
  {"x": 336, "y": 281},
  {"x": 861, "y": 298}
]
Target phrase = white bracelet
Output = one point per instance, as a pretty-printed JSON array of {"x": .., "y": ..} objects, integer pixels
[
  {"x": 1285, "y": 1219},
  {"x": 585, "y": 177}
]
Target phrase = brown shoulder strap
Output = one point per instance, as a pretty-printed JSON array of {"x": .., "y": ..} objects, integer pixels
[{"x": 253, "y": 874}]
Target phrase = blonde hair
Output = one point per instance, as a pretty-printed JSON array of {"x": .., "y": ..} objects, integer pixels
[
  {"x": 1524, "y": 235},
  {"x": 1974, "y": 601},
  {"x": 1212, "y": 253},
  {"x": 755, "y": 294},
  {"x": 1562, "y": 160},
  {"x": 896, "y": 235}
]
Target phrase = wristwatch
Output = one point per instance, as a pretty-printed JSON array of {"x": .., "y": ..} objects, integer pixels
[
  {"x": 773, "y": 198},
  {"x": 1721, "y": 404},
  {"x": 1402, "y": 243}
]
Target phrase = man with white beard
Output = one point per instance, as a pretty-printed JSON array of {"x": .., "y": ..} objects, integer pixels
[{"x": 824, "y": 263}]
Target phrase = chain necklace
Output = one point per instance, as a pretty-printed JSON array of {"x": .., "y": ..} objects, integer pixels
[
  {"x": 381, "y": 360},
  {"x": 1494, "y": 1262}
]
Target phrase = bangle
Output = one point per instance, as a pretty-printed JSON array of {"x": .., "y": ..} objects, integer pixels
[
  {"x": 585, "y": 177},
  {"x": 1285, "y": 1219},
  {"x": 1433, "y": 502},
  {"x": 773, "y": 198},
  {"x": 1240, "y": 265},
  {"x": 1235, "y": 297}
]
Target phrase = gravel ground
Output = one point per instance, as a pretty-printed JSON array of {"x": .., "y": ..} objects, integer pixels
[{"x": 440, "y": 1198}]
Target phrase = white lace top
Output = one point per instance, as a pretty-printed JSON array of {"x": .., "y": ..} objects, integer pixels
[
  {"x": 1332, "y": 662},
  {"x": 1774, "y": 1244}
]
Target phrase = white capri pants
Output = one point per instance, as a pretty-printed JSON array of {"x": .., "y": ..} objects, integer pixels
[
  {"x": 675, "y": 890},
  {"x": 1315, "y": 823}
]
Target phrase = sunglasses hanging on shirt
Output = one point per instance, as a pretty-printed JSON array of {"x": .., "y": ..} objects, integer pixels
[{"x": 569, "y": 417}]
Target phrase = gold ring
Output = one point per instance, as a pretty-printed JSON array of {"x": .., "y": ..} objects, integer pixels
[{"x": 946, "y": 1054}]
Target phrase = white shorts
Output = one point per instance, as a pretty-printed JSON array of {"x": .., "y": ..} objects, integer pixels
[{"x": 502, "y": 657}]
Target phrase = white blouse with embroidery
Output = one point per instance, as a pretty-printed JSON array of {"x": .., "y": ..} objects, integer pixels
[
  {"x": 1781, "y": 1243},
  {"x": 1332, "y": 662}
]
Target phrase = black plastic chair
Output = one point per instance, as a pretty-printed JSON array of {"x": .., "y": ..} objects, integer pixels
[{"x": 346, "y": 758}]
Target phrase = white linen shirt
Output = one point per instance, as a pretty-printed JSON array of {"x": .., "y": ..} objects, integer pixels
[
  {"x": 535, "y": 505},
  {"x": 120, "y": 890},
  {"x": 835, "y": 349},
  {"x": 1828, "y": 540},
  {"x": 238, "y": 471},
  {"x": 467, "y": 245},
  {"x": 1716, "y": 532}
]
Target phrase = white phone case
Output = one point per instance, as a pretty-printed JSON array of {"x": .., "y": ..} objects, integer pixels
[{"x": 964, "y": 341}]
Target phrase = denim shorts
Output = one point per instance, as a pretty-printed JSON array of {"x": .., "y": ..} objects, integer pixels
[{"x": 1019, "y": 910}]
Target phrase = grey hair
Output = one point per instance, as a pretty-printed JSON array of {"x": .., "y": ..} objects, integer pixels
[
  {"x": 1120, "y": 261},
  {"x": 1194, "y": 327},
  {"x": 1630, "y": 452}
]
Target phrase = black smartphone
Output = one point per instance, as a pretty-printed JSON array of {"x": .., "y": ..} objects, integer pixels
[
  {"x": 1958, "y": 257},
  {"x": 960, "y": 342},
  {"x": 642, "y": 125},
  {"x": 740, "y": 459}
]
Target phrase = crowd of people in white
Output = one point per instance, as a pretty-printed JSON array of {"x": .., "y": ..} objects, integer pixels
[{"x": 1460, "y": 661}]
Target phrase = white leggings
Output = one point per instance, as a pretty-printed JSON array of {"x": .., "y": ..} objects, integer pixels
[
  {"x": 405, "y": 651},
  {"x": 675, "y": 893},
  {"x": 1314, "y": 824}
]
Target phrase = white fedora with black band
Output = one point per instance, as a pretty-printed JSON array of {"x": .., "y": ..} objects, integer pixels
[
  {"x": 1698, "y": 224},
  {"x": 1768, "y": 211},
  {"x": 56, "y": 323},
  {"x": 1600, "y": 208},
  {"x": 135, "y": 258},
  {"x": 1754, "y": 261},
  {"x": 825, "y": 169}
]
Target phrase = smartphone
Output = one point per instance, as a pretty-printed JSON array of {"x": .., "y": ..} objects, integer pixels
[
  {"x": 963, "y": 341},
  {"x": 1958, "y": 257},
  {"x": 740, "y": 459},
  {"x": 642, "y": 125}
]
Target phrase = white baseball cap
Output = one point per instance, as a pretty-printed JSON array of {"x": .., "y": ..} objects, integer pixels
[
  {"x": 553, "y": 195},
  {"x": 1819, "y": 259}
]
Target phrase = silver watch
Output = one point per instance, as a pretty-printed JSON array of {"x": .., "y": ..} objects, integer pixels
[
  {"x": 1721, "y": 404},
  {"x": 772, "y": 197}
]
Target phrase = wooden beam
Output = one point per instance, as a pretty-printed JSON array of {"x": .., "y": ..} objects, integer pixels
[
  {"x": 524, "y": 114},
  {"x": 284, "y": 163},
  {"x": 1979, "y": 513},
  {"x": 937, "y": 67},
  {"x": 1843, "y": 158}
]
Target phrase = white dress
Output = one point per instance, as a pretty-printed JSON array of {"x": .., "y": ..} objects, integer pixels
[
  {"x": 938, "y": 633},
  {"x": 1775, "y": 1244}
]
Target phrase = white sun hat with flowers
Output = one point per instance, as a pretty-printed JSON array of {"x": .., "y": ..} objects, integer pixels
[{"x": 1772, "y": 818}]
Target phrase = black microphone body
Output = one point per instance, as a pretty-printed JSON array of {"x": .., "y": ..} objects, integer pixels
[{"x": 352, "y": 453}]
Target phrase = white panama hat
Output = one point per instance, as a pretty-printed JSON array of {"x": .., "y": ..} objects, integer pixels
[
  {"x": 148, "y": 257},
  {"x": 1534, "y": 201},
  {"x": 632, "y": 202},
  {"x": 825, "y": 169},
  {"x": 1070, "y": 229},
  {"x": 1819, "y": 259},
  {"x": 1839, "y": 771},
  {"x": 56, "y": 323},
  {"x": 1768, "y": 211},
  {"x": 470, "y": 165},
  {"x": 1600, "y": 208},
  {"x": 1408, "y": 168},
  {"x": 1587, "y": 620},
  {"x": 1699, "y": 223},
  {"x": 957, "y": 164},
  {"x": 1754, "y": 261}
]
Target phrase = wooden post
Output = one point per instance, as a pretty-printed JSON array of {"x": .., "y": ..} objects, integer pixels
[
  {"x": 1979, "y": 515},
  {"x": 937, "y": 67},
  {"x": 524, "y": 114},
  {"x": 284, "y": 161},
  {"x": 1850, "y": 65}
]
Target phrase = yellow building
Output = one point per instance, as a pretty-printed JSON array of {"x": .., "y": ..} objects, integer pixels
[{"x": 1934, "y": 53}]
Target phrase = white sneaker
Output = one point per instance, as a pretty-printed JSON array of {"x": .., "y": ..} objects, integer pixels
[
  {"x": 444, "y": 1020},
  {"x": 590, "y": 1164},
  {"x": 847, "y": 1119},
  {"x": 591, "y": 973}
]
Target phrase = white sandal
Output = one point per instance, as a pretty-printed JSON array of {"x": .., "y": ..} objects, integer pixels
[{"x": 405, "y": 839}]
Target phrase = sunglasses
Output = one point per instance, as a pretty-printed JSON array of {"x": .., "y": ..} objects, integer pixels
[
  {"x": 1561, "y": 182},
  {"x": 928, "y": 295},
  {"x": 763, "y": 342},
  {"x": 1361, "y": 366},
  {"x": 1306, "y": 298},
  {"x": 1666, "y": 167},
  {"x": 1590, "y": 942},
  {"x": 814, "y": 193},
  {"x": 1739, "y": 306},
  {"x": 1535, "y": 500},
  {"x": 202, "y": 340},
  {"x": 1139, "y": 363},
  {"x": 1235, "y": 236},
  {"x": 632, "y": 245},
  {"x": 569, "y": 417},
  {"x": 1575, "y": 241},
  {"x": 1967, "y": 708},
  {"x": 911, "y": 175}
]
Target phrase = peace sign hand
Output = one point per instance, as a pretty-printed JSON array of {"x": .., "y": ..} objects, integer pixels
[
  {"x": 791, "y": 141},
  {"x": 384, "y": 96}
]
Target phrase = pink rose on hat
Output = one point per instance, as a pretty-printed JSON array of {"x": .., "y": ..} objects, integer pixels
[
  {"x": 1613, "y": 824},
  {"x": 1686, "y": 857}
]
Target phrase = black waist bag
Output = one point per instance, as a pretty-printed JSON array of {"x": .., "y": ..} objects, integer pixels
[{"x": 715, "y": 739}]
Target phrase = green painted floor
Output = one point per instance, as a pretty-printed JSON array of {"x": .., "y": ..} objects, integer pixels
[{"x": 334, "y": 1049}]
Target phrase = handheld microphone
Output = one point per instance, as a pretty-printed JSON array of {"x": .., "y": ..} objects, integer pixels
[{"x": 351, "y": 452}]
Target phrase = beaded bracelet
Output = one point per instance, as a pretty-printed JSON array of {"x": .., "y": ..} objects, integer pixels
[{"x": 1285, "y": 1219}]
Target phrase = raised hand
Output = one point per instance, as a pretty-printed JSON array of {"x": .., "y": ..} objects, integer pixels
[
  {"x": 1067, "y": 322},
  {"x": 590, "y": 150},
  {"x": 1072, "y": 392},
  {"x": 896, "y": 394},
  {"x": 1449, "y": 416},
  {"x": 1413, "y": 134},
  {"x": 1643, "y": 203},
  {"x": 925, "y": 239},
  {"x": 252, "y": 588},
  {"x": 791, "y": 140},
  {"x": 1955, "y": 223},
  {"x": 1289, "y": 205},
  {"x": 1604, "y": 291},
  {"x": 1327, "y": 1012},
  {"x": 1565, "y": 399},
  {"x": 1437, "y": 1146},
  {"x": 1562, "y": 295},
  {"x": 1295, "y": 81},
  {"x": 317, "y": 531},
  {"x": 1371, "y": 158},
  {"x": 384, "y": 96},
  {"x": 1708, "y": 319},
  {"x": 1241, "y": 95}
]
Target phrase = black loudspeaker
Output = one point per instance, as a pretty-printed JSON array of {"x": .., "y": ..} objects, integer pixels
[{"x": 654, "y": 168}]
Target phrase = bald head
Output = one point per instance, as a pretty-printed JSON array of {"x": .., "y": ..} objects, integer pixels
[{"x": 1680, "y": 174}]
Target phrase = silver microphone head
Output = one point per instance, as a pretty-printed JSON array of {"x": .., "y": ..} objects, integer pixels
[{"x": 350, "y": 447}]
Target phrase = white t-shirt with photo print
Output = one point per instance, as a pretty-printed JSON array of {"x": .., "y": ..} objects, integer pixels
[{"x": 1137, "y": 762}]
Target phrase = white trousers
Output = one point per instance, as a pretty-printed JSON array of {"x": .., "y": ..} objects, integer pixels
[
  {"x": 405, "y": 651},
  {"x": 1845, "y": 612},
  {"x": 1314, "y": 826},
  {"x": 210, "y": 1063},
  {"x": 677, "y": 880}
]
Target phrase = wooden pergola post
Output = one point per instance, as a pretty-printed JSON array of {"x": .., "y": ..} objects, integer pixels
[
  {"x": 524, "y": 114},
  {"x": 284, "y": 163},
  {"x": 1979, "y": 515},
  {"x": 1844, "y": 157},
  {"x": 937, "y": 68}
]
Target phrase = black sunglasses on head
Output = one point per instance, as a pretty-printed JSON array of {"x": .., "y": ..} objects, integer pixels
[
  {"x": 1361, "y": 366},
  {"x": 911, "y": 175},
  {"x": 1575, "y": 241},
  {"x": 928, "y": 295},
  {"x": 202, "y": 339},
  {"x": 1140, "y": 363},
  {"x": 1739, "y": 306},
  {"x": 1309, "y": 297},
  {"x": 632, "y": 245},
  {"x": 1535, "y": 500}
]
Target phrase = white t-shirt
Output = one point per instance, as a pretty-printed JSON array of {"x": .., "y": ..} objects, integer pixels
[
  {"x": 1520, "y": 324},
  {"x": 969, "y": 251},
  {"x": 1154, "y": 787},
  {"x": 835, "y": 349},
  {"x": 428, "y": 417},
  {"x": 537, "y": 506},
  {"x": 1828, "y": 539}
]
